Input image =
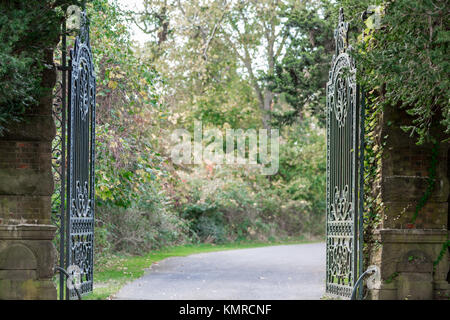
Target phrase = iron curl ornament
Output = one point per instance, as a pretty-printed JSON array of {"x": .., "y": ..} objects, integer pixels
[
  {"x": 341, "y": 209},
  {"x": 81, "y": 205},
  {"x": 344, "y": 123}
]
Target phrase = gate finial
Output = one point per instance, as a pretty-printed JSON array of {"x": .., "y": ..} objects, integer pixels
[
  {"x": 341, "y": 15},
  {"x": 84, "y": 28},
  {"x": 341, "y": 34}
]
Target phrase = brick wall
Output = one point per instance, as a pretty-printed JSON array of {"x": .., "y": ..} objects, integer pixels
[{"x": 25, "y": 187}]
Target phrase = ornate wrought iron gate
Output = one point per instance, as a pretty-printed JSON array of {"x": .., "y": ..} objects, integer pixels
[
  {"x": 344, "y": 169},
  {"x": 74, "y": 165}
]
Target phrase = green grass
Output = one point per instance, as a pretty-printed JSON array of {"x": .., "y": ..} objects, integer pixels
[{"x": 112, "y": 272}]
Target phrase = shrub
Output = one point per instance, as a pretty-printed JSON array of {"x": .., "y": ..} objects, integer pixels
[{"x": 237, "y": 203}]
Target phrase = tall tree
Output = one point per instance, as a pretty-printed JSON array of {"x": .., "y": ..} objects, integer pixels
[
  {"x": 301, "y": 75},
  {"x": 249, "y": 33},
  {"x": 255, "y": 32}
]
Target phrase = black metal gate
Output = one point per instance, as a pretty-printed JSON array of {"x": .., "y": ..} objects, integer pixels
[
  {"x": 344, "y": 170},
  {"x": 74, "y": 154}
]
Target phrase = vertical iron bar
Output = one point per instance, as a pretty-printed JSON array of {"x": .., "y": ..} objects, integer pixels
[
  {"x": 92, "y": 177},
  {"x": 327, "y": 113},
  {"x": 354, "y": 133},
  {"x": 69, "y": 148},
  {"x": 361, "y": 187},
  {"x": 63, "y": 160}
]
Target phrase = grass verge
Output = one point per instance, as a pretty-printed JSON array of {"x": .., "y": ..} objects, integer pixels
[{"x": 113, "y": 272}]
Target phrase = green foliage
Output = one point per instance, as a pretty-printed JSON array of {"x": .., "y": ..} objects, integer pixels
[
  {"x": 222, "y": 205},
  {"x": 392, "y": 277},
  {"x": 373, "y": 151},
  {"x": 232, "y": 203},
  {"x": 401, "y": 52},
  {"x": 213, "y": 70},
  {"x": 127, "y": 160},
  {"x": 406, "y": 61},
  {"x": 205, "y": 221},
  {"x": 441, "y": 255},
  {"x": 134, "y": 210},
  {"x": 138, "y": 230},
  {"x": 302, "y": 175},
  {"x": 235, "y": 98},
  {"x": 28, "y": 29}
]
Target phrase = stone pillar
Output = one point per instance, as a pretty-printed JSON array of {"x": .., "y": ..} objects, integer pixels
[
  {"x": 406, "y": 252},
  {"x": 27, "y": 254},
  {"x": 406, "y": 259}
]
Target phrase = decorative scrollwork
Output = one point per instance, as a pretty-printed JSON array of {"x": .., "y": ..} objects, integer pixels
[
  {"x": 82, "y": 249},
  {"x": 340, "y": 105},
  {"x": 341, "y": 34},
  {"x": 84, "y": 91},
  {"x": 342, "y": 208},
  {"x": 83, "y": 75},
  {"x": 81, "y": 255},
  {"x": 57, "y": 150},
  {"x": 340, "y": 256},
  {"x": 342, "y": 77},
  {"x": 81, "y": 205},
  {"x": 340, "y": 269}
]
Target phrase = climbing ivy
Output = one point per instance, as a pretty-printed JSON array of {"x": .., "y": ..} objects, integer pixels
[
  {"x": 444, "y": 248},
  {"x": 373, "y": 150},
  {"x": 405, "y": 57}
]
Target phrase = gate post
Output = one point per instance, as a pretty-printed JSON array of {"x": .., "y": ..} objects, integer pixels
[
  {"x": 407, "y": 250},
  {"x": 27, "y": 254}
]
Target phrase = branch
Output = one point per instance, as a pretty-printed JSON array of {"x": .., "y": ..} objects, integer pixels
[
  {"x": 283, "y": 42},
  {"x": 216, "y": 26}
]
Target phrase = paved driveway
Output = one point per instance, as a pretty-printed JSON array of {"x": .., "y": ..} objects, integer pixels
[{"x": 277, "y": 272}]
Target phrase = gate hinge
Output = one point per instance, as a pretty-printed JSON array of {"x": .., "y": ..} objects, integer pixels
[
  {"x": 63, "y": 271},
  {"x": 372, "y": 270}
]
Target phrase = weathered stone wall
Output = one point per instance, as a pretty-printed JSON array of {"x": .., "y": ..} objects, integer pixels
[
  {"x": 27, "y": 254},
  {"x": 406, "y": 252},
  {"x": 406, "y": 261},
  {"x": 404, "y": 177}
]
